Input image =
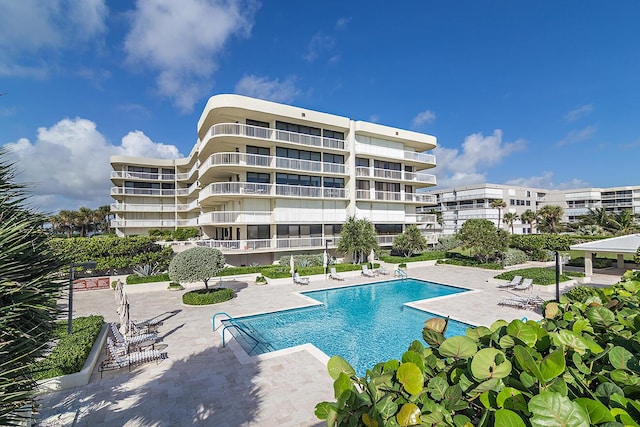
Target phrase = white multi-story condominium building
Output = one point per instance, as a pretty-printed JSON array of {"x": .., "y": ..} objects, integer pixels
[
  {"x": 576, "y": 203},
  {"x": 459, "y": 204},
  {"x": 266, "y": 179}
]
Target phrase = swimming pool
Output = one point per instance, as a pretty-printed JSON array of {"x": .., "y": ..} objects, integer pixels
[{"x": 364, "y": 324}]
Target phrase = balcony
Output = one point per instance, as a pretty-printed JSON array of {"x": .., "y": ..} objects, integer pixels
[
  {"x": 138, "y": 207},
  {"x": 143, "y": 176},
  {"x": 153, "y": 223},
  {"x": 130, "y": 191},
  {"x": 251, "y": 189},
  {"x": 236, "y": 217},
  {"x": 395, "y": 175},
  {"x": 270, "y": 162},
  {"x": 257, "y": 132},
  {"x": 421, "y": 159},
  {"x": 393, "y": 196}
]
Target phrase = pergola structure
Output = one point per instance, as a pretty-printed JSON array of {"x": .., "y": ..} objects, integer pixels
[{"x": 617, "y": 245}]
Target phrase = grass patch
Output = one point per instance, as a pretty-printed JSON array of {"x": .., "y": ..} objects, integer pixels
[
  {"x": 425, "y": 256},
  {"x": 134, "y": 279},
  {"x": 71, "y": 351},
  {"x": 540, "y": 275},
  {"x": 207, "y": 296}
]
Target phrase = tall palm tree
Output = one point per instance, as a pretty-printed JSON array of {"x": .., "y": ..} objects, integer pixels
[
  {"x": 530, "y": 217},
  {"x": 509, "y": 218},
  {"x": 66, "y": 221},
  {"x": 103, "y": 217},
  {"x": 622, "y": 223},
  {"x": 596, "y": 216},
  {"x": 84, "y": 217},
  {"x": 358, "y": 237},
  {"x": 550, "y": 218},
  {"x": 498, "y": 204}
]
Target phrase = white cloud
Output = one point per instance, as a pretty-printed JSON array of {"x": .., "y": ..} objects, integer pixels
[
  {"x": 545, "y": 181},
  {"x": 320, "y": 44},
  {"x": 422, "y": 118},
  {"x": 342, "y": 23},
  {"x": 264, "y": 88},
  {"x": 68, "y": 163},
  {"x": 181, "y": 41},
  {"x": 479, "y": 152},
  {"x": 578, "y": 136},
  {"x": 32, "y": 30},
  {"x": 579, "y": 112},
  {"x": 374, "y": 118}
]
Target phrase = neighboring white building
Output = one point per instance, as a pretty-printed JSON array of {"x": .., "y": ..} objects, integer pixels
[
  {"x": 462, "y": 203},
  {"x": 265, "y": 179}
]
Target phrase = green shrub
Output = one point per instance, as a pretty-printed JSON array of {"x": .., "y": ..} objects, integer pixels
[
  {"x": 114, "y": 255},
  {"x": 425, "y": 256},
  {"x": 181, "y": 234},
  {"x": 454, "y": 258},
  {"x": 207, "y": 296},
  {"x": 174, "y": 285},
  {"x": 514, "y": 257},
  {"x": 196, "y": 264},
  {"x": 261, "y": 279},
  {"x": 596, "y": 262},
  {"x": 71, "y": 351},
  {"x": 581, "y": 293},
  {"x": 447, "y": 243},
  {"x": 540, "y": 275},
  {"x": 305, "y": 260},
  {"x": 133, "y": 279},
  {"x": 576, "y": 367}
]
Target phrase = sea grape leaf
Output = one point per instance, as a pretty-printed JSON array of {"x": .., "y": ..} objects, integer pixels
[
  {"x": 415, "y": 358},
  {"x": 511, "y": 398},
  {"x": 570, "y": 339},
  {"x": 582, "y": 325},
  {"x": 368, "y": 421},
  {"x": 437, "y": 387},
  {"x": 490, "y": 363},
  {"x": 621, "y": 358},
  {"x": 391, "y": 365},
  {"x": 507, "y": 418},
  {"x": 527, "y": 363},
  {"x": 553, "y": 365},
  {"x": 338, "y": 365},
  {"x": 341, "y": 384},
  {"x": 598, "y": 413},
  {"x": 458, "y": 347},
  {"x": 434, "y": 339},
  {"x": 323, "y": 409},
  {"x": 601, "y": 316},
  {"x": 386, "y": 407},
  {"x": 522, "y": 332},
  {"x": 436, "y": 324},
  {"x": 552, "y": 409},
  {"x": 551, "y": 310},
  {"x": 506, "y": 341},
  {"x": 411, "y": 378},
  {"x": 409, "y": 415},
  {"x": 478, "y": 332}
]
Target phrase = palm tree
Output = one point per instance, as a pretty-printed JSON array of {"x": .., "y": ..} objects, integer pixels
[
  {"x": 66, "y": 221},
  {"x": 27, "y": 296},
  {"x": 550, "y": 217},
  {"x": 596, "y": 216},
  {"x": 358, "y": 237},
  {"x": 102, "y": 217},
  {"x": 498, "y": 204},
  {"x": 530, "y": 217},
  {"x": 84, "y": 218},
  {"x": 622, "y": 223},
  {"x": 510, "y": 218}
]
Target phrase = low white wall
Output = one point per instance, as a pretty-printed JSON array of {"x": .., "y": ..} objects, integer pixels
[{"x": 81, "y": 378}]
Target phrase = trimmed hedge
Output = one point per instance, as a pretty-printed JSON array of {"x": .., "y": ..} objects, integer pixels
[
  {"x": 71, "y": 351},
  {"x": 540, "y": 275},
  {"x": 425, "y": 256},
  {"x": 597, "y": 262},
  {"x": 134, "y": 279},
  {"x": 280, "y": 271},
  {"x": 454, "y": 258},
  {"x": 207, "y": 296}
]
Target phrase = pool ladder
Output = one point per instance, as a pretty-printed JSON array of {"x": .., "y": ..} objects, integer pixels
[
  {"x": 400, "y": 273},
  {"x": 233, "y": 323}
]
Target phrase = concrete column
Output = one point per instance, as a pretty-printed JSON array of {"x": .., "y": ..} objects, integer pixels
[
  {"x": 620, "y": 261},
  {"x": 588, "y": 263}
]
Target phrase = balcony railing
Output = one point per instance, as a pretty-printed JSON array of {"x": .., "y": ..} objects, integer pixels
[
  {"x": 397, "y": 154},
  {"x": 393, "y": 196},
  {"x": 236, "y": 217},
  {"x": 257, "y": 160},
  {"x": 238, "y": 129},
  {"x": 144, "y": 191},
  {"x": 142, "y": 175},
  {"x": 139, "y": 207},
  {"x": 271, "y": 190}
]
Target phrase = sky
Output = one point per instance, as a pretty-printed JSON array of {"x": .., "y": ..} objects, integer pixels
[{"x": 531, "y": 93}]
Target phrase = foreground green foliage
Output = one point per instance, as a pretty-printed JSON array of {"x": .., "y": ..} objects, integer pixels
[
  {"x": 486, "y": 242},
  {"x": 114, "y": 255},
  {"x": 134, "y": 279},
  {"x": 540, "y": 275},
  {"x": 577, "y": 367},
  {"x": 537, "y": 246},
  {"x": 357, "y": 238},
  {"x": 197, "y": 264},
  {"x": 207, "y": 296},
  {"x": 454, "y": 258},
  {"x": 410, "y": 242},
  {"x": 71, "y": 351},
  {"x": 27, "y": 295},
  {"x": 179, "y": 234}
]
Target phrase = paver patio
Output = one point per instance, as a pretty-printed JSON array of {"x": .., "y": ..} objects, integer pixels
[{"x": 204, "y": 384}]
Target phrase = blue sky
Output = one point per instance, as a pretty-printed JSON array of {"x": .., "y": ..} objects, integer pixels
[{"x": 539, "y": 93}]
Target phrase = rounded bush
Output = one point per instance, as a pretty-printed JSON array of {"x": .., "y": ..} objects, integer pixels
[
  {"x": 207, "y": 296},
  {"x": 514, "y": 257}
]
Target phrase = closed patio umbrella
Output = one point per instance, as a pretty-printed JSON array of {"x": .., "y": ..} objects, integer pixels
[
  {"x": 118, "y": 295},
  {"x": 325, "y": 261},
  {"x": 124, "y": 319},
  {"x": 371, "y": 258},
  {"x": 292, "y": 265}
]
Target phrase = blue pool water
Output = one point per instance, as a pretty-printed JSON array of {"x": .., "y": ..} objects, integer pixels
[{"x": 364, "y": 324}]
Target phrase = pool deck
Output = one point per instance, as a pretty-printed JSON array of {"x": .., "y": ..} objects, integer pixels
[{"x": 203, "y": 384}]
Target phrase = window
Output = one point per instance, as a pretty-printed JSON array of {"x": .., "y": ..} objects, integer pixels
[
  {"x": 528, "y": 202},
  {"x": 291, "y": 127},
  {"x": 262, "y": 178},
  {"x": 334, "y": 182},
  {"x": 333, "y": 158},
  {"x": 528, "y": 193},
  {"x": 292, "y": 153},
  {"x": 362, "y": 162},
  {"x": 258, "y": 232},
  {"x": 332, "y": 229},
  {"x": 512, "y": 202},
  {"x": 388, "y": 228},
  {"x": 379, "y": 164},
  {"x": 144, "y": 170},
  {"x": 293, "y": 179},
  {"x": 263, "y": 151},
  {"x": 305, "y": 230},
  {"x": 362, "y": 185},
  {"x": 257, "y": 123},
  {"x": 388, "y": 186},
  {"x": 332, "y": 134}
]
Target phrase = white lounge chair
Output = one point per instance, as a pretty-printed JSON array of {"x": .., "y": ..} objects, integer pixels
[
  {"x": 116, "y": 359},
  {"x": 514, "y": 282},
  {"x": 368, "y": 273},
  {"x": 526, "y": 284},
  {"x": 382, "y": 270},
  {"x": 131, "y": 340},
  {"x": 522, "y": 302},
  {"x": 300, "y": 280},
  {"x": 334, "y": 275}
]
